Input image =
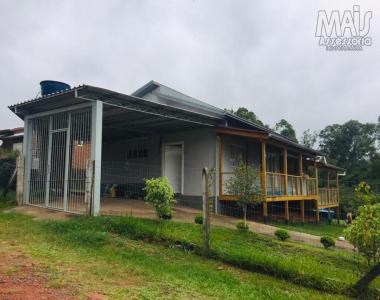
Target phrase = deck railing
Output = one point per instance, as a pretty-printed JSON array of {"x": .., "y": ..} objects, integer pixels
[
  {"x": 328, "y": 196},
  {"x": 296, "y": 185},
  {"x": 276, "y": 184}
]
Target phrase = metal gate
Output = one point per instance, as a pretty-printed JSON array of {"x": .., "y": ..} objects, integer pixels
[{"x": 60, "y": 147}]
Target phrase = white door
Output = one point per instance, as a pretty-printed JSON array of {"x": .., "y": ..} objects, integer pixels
[{"x": 173, "y": 165}]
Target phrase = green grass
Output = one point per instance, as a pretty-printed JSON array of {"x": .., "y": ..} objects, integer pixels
[
  {"x": 113, "y": 256},
  {"x": 323, "y": 228}
]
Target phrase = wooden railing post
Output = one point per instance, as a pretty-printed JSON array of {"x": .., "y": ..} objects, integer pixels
[
  {"x": 286, "y": 170},
  {"x": 328, "y": 188}
]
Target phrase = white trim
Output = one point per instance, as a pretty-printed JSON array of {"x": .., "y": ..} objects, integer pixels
[
  {"x": 96, "y": 152},
  {"x": 27, "y": 158},
  {"x": 182, "y": 161},
  {"x": 59, "y": 110}
]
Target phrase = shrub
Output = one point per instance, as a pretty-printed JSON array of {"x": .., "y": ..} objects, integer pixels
[
  {"x": 327, "y": 241},
  {"x": 282, "y": 234},
  {"x": 160, "y": 195},
  {"x": 364, "y": 233},
  {"x": 198, "y": 219},
  {"x": 242, "y": 226}
]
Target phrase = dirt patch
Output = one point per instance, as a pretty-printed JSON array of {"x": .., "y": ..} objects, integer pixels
[
  {"x": 42, "y": 213},
  {"x": 18, "y": 280}
]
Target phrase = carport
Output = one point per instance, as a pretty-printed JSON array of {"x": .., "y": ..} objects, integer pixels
[{"x": 86, "y": 146}]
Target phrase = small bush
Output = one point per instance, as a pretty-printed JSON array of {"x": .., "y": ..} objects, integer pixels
[
  {"x": 198, "y": 219},
  {"x": 160, "y": 194},
  {"x": 241, "y": 226},
  {"x": 282, "y": 234},
  {"x": 327, "y": 241}
]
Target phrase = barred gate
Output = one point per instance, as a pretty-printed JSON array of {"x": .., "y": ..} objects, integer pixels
[{"x": 60, "y": 146}]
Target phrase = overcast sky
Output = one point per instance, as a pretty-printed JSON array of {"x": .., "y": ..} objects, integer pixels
[{"x": 259, "y": 54}]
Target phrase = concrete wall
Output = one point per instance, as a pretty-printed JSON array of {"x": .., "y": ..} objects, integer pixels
[{"x": 199, "y": 152}]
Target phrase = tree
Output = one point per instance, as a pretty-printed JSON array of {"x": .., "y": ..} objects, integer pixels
[
  {"x": 284, "y": 128},
  {"x": 246, "y": 114},
  {"x": 244, "y": 185},
  {"x": 364, "y": 233},
  {"x": 308, "y": 138},
  {"x": 160, "y": 194},
  {"x": 350, "y": 144}
]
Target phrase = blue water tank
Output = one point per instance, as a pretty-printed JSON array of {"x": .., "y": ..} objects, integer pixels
[{"x": 51, "y": 86}]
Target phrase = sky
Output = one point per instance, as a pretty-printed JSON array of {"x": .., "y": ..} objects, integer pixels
[{"x": 262, "y": 55}]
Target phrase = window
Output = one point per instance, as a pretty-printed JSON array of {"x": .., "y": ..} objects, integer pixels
[
  {"x": 137, "y": 152},
  {"x": 237, "y": 155}
]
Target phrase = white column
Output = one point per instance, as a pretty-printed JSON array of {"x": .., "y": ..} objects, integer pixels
[
  {"x": 96, "y": 152},
  {"x": 26, "y": 152}
]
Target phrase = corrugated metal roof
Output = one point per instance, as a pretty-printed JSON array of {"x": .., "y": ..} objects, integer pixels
[{"x": 108, "y": 95}]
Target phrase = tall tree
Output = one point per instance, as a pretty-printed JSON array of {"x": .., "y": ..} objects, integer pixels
[
  {"x": 351, "y": 144},
  {"x": 249, "y": 115},
  {"x": 284, "y": 128},
  {"x": 309, "y": 138}
]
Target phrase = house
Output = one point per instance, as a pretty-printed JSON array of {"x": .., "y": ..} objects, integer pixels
[
  {"x": 11, "y": 139},
  {"x": 86, "y": 144}
]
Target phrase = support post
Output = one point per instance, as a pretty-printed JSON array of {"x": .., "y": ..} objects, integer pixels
[
  {"x": 48, "y": 165},
  {"x": 20, "y": 179},
  {"x": 300, "y": 171},
  {"x": 328, "y": 188},
  {"x": 67, "y": 163},
  {"x": 216, "y": 175},
  {"x": 303, "y": 211},
  {"x": 96, "y": 153},
  {"x": 206, "y": 209},
  {"x": 27, "y": 158},
  {"x": 317, "y": 211},
  {"x": 220, "y": 153},
  {"x": 337, "y": 195},
  {"x": 316, "y": 187},
  {"x": 264, "y": 180},
  {"x": 286, "y": 170},
  {"x": 316, "y": 175},
  {"x": 88, "y": 196},
  {"x": 287, "y": 211}
]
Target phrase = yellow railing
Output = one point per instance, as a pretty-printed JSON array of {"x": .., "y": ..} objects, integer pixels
[
  {"x": 296, "y": 185},
  {"x": 328, "y": 196},
  {"x": 311, "y": 186},
  {"x": 276, "y": 184}
]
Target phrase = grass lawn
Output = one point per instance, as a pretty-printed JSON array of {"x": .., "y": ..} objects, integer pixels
[
  {"x": 129, "y": 257},
  {"x": 86, "y": 256},
  {"x": 323, "y": 228}
]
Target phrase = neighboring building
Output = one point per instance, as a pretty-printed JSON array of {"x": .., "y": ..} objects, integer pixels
[
  {"x": 160, "y": 131},
  {"x": 11, "y": 139}
]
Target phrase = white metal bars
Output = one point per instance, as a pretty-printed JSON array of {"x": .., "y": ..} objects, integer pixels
[{"x": 60, "y": 146}]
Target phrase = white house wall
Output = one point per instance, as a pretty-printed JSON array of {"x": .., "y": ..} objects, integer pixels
[{"x": 199, "y": 152}]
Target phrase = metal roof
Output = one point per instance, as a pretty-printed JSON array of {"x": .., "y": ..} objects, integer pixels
[{"x": 197, "y": 112}]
